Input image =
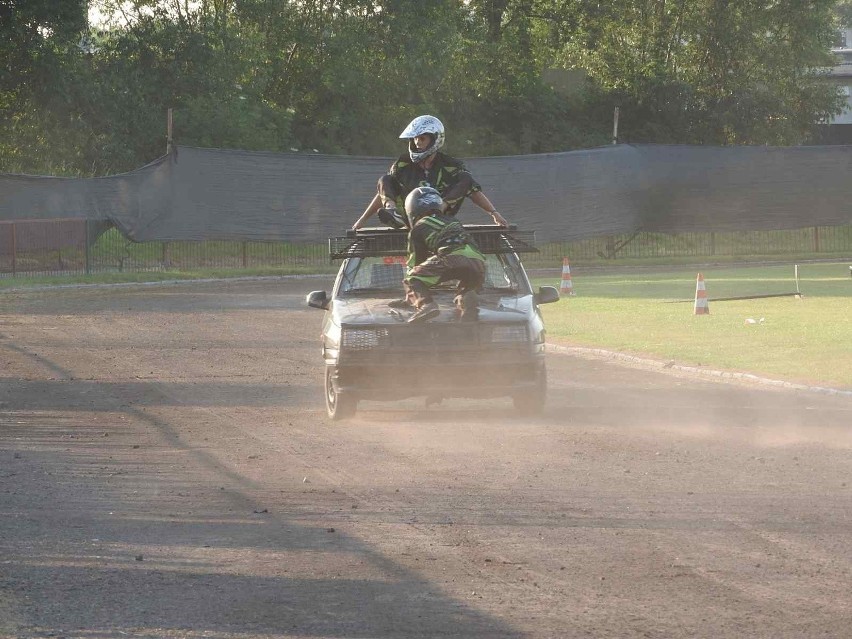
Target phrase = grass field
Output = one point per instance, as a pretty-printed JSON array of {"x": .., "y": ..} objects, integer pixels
[{"x": 807, "y": 340}]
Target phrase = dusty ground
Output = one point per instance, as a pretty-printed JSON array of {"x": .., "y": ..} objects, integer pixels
[{"x": 167, "y": 470}]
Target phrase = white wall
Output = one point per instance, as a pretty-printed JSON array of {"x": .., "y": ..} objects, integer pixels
[
  {"x": 846, "y": 116},
  {"x": 845, "y": 52}
]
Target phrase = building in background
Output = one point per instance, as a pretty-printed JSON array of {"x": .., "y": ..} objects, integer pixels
[{"x": 839, "y": 127}]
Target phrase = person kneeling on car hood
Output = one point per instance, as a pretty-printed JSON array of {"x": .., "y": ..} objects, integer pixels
[{"x": 439, "y": 249}]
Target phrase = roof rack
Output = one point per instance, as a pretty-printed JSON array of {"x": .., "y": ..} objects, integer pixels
[{"x": 377, "y": 242}]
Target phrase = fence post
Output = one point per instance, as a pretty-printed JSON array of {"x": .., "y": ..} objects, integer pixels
[
  {"x": 245, "y": 254},
  {"x": 86, "y": 244},
  {"x": 615, "y": 126},
  {"x": 816, "y": 239},
  {"x": 14, "y": 251},
  {"x": 166, "y": 257},
  {"x": 712, "y": 243},
  {"x": 169, "y": 131}
]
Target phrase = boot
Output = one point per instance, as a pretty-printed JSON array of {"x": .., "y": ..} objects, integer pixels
[
  {"x": 392, "y": 218},
  {"x": 468, "y": 304},
  {"x": 425, "y": 312}
]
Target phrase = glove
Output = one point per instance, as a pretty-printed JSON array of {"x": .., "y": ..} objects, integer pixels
[{"x": 392, "y": 218}]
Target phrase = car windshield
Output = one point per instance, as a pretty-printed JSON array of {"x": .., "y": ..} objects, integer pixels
[{"x": 384, "y": 275}]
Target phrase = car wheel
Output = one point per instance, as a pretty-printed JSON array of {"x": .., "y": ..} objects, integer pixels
[
  {"x": 339, "y": 406},
  {"x": 531, "y": 402}
]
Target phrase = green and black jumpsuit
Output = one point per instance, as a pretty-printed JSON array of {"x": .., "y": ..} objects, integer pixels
[
  {"x": 440, "y": 249},
  {"x": 447, "y": 175}
]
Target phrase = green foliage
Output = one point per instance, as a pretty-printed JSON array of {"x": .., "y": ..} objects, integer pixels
[
  {"x": 345, "y": 77},
  {"x": 36, "y": 39},
  {"x": 709, "y": 71},
  {"x": 32, "y": 35},
  {"x": 843, "y": 10}
]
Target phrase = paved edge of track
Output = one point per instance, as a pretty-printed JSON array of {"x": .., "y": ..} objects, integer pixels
[
  {"x": 178, "y": 282},
  {"x": 672, "y": 367}
]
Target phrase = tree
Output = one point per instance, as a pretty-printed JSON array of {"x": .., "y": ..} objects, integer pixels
[
  {"x": 32, "y": 35},
  {"x": 344, "y": 76},
  {"x": 843, "y": 11},
  {"x": 35, "y": 38},
  {"x": 709, "y": 71}
]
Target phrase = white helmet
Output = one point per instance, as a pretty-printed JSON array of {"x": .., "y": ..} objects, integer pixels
[{"x": 422, "y": 125}]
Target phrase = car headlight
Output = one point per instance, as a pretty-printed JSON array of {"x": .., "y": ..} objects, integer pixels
[
  {"x": 361, "y": 339},
  {"x": 509, "y": 334}
]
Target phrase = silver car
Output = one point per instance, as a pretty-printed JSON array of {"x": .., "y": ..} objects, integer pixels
[{"x": 371, "y": 352}]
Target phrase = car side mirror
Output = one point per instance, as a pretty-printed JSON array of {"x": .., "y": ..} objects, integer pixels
[
  {"x": 318, "y": 299},
  {"x": 546, "y": 295}
]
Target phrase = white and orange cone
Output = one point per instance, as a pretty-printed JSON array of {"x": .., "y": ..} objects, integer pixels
[
  {"x": 566, "y": 287},
  {"x": 701, "y": 306}
]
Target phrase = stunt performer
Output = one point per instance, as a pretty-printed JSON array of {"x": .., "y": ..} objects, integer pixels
[{"x": 425, "y": 165}]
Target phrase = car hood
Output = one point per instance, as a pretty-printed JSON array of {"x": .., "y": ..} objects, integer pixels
[{"x": 492, "y": 308}]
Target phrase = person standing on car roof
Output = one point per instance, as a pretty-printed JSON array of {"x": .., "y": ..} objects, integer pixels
[
  {"x": 425, "y": 165},
  {"x": 439, "y": 249}
]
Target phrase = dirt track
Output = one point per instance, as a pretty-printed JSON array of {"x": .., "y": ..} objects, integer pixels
[{"x": 167, "y": 470}]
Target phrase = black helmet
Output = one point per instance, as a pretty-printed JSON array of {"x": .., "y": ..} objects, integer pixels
[{"x": 422, "y": 201}]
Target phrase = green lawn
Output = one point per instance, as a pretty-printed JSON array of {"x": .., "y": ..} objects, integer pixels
[{"x": 807, "y": 340}]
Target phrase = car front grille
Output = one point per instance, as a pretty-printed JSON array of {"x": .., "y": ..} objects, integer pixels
[
  {"x": 365, "y": 339},
  {"x": 436, "y": 341}
]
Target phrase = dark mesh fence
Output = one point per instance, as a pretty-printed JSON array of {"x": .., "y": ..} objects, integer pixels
[
  {"x": 213, "y": 194},
  {"x": 226, "y": 209}
]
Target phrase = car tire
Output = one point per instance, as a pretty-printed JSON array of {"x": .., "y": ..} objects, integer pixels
[
  {"x": 531, "y": 402},
  {"x": 338, "y": 405}
]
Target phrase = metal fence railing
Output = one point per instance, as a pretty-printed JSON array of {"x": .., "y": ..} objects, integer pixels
[
  {"x": 73, "y": 246},
  {"x": 56, "y": 247},
  {"x": 834, "y": 241}
]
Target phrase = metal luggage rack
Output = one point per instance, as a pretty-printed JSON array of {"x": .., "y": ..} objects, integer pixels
[{"x": 377, "y": 242}]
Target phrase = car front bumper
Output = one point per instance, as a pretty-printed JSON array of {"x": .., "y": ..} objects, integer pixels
[{"x": 384, "y": 380}]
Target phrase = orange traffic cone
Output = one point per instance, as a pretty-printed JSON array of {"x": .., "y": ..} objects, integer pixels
[
  {"x": 701, "y": 307},
  {"x": 566, "y": 287}
]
